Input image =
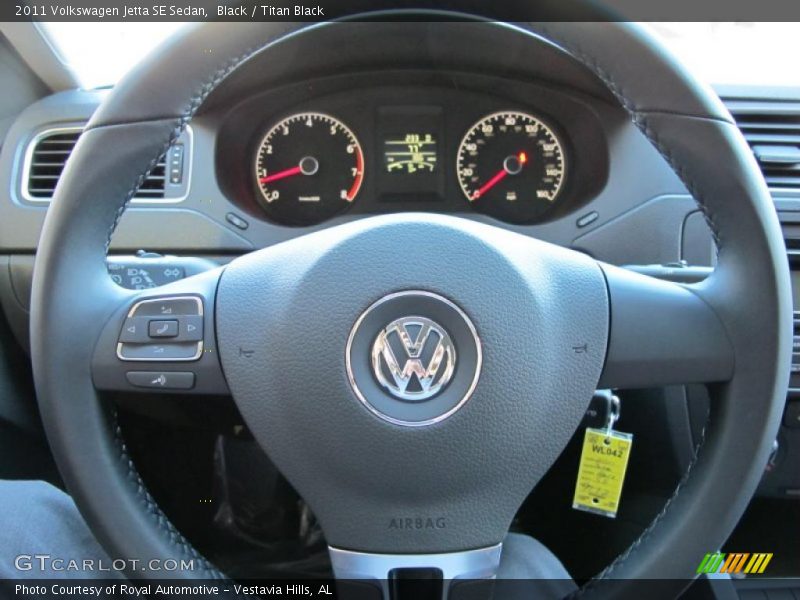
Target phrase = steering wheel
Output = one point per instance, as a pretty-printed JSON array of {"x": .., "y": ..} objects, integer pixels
[{"x": 523, "y": 333}]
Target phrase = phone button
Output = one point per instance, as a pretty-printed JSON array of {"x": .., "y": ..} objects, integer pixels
[{"x": 163, "y": 329}]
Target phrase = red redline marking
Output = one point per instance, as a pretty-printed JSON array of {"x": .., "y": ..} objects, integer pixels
[{"x": 351, "y": 195}]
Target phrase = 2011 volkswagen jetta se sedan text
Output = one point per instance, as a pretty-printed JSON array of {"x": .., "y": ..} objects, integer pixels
[{"x": 404, "y": 304}]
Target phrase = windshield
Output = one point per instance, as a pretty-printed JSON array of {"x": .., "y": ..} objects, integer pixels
[
  {"x": 722, "y": 53},
  {"x": 100, "y": 53}
]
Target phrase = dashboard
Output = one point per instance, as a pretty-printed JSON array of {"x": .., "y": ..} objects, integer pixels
[{"x": 404, "y": 117}]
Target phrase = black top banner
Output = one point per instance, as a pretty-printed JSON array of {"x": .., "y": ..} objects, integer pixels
[{"x": 411, "y": 10}]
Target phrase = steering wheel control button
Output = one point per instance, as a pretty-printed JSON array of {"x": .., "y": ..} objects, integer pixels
[
  {"x": 163, "y": 329},
  {"x": 191, "y": 329},
  {"x": 413, "y": 358},
  {"x": 176, "y": 336},
  {"x": 167, "y": 380},
  {"x": 168, "y": 307},
  {"x": 161, "y": 352},
  {"x": 134, "y": 331}
]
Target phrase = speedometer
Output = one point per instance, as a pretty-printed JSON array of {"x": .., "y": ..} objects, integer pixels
[
  {"x": 309, "y": 167},
  {"x": 511, "y": 166}
]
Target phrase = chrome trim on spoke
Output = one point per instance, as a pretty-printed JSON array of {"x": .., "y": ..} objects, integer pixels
[
  {"x": 132, "y": 312},
  {"x": 481, "y": 563}
]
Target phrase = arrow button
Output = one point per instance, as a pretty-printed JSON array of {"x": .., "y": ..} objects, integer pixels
[
  {"x": 191, "y": 328},
  {"x": 134, "y": 331}
]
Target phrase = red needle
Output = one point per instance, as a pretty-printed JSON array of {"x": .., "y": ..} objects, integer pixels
[
  {"x": 281, "y": 174},
  {"x": 521, "y": 157},
  {"x": 490, "y": 184}
]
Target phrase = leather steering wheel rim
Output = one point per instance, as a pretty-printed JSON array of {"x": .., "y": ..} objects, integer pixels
[{"x": 749, "y": 290}]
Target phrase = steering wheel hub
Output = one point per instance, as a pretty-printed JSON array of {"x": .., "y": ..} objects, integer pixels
[{"x": 381, "y": 398}]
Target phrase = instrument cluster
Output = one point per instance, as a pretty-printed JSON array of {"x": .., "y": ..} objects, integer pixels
[
  {"x": 394, "y": 149},
  {"x": 309, "y": 166}
]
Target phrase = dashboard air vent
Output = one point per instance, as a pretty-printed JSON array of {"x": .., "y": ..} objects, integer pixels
[
  {"x": 772, "y": 129},
  {"x": 48, "y": 155}
]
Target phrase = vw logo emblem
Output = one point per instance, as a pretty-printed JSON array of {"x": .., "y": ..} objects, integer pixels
[
  {"x": 413, "y": 358},
  {"x": 400, "y": 358}
]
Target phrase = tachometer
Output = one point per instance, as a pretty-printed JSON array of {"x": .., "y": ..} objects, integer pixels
[
  {"x": 309, "y": 167},
  {"x": 511, "y": 166}
]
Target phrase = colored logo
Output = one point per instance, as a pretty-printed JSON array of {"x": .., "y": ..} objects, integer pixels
[{"x": 735, "y": 562}]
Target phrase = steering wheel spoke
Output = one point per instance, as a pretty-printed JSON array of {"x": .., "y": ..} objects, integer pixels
[
  {"x": 444, "y": 569},
  {"x": 662, "y": 333},
  {"x": 163, "y": 341}
]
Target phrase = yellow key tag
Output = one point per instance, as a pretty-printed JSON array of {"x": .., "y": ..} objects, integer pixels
[{"x": 604, "y": 460}]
